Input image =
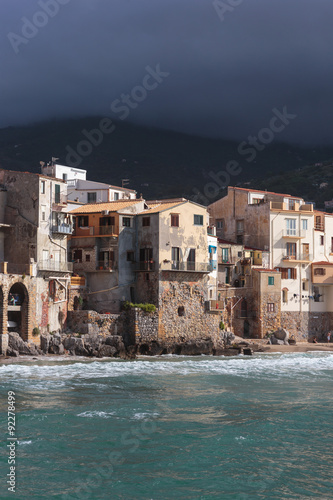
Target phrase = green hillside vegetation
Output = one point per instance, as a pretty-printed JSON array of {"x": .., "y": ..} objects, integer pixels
[
  {"x": 312, "y": 182},
  {"x": 158, "y": 163}
]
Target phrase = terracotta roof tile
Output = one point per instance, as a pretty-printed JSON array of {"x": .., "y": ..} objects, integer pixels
[
  {"x": 156, "y": 208},
  {"x": 112, "y": 206}
]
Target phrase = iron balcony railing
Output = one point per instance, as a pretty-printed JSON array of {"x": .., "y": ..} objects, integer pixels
[
  {"x": 53, "y": 265},
  {"x": 145, "y": 266},
  {"x": 306, "y": 257},
  {"x": 106, "y": 266},
  {"x": 14, "y": 268}
]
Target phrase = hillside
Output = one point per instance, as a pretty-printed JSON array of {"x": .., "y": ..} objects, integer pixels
[{"x": 158, "y": 163}]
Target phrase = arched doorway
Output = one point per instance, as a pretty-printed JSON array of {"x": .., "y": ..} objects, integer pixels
[{"x": 18, "y": 308}]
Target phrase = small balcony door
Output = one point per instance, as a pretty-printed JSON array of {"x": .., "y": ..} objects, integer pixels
[
  {"x": 291, "y": 250},
  {"x": 175, "y": 257},
  {"x": 305, "y": 251},
  {"x": 191, "y": 260}
]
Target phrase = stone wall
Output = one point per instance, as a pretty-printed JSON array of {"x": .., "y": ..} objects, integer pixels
[
  {"x": 182, "y": 315},
  {"x": 93, "y": 323},
  {"x": 304, "y": 326}
]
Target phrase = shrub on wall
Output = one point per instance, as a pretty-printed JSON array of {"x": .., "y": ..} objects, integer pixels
[
  {"x": 36, "y": 331},
  {"x": 149, "y": 308}
]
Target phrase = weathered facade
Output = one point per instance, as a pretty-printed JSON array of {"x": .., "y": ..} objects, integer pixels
[
  {"x": 33, "y": 251},
  {"x": 299, "y": 245}
]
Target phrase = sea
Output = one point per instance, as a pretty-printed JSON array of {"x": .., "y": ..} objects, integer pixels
[{"x": 170, "y": 427}]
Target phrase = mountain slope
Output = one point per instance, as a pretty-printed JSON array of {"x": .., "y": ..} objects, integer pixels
[{"x": 158, "y": 163}]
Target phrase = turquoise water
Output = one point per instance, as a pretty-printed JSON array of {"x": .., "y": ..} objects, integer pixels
[{"x": 172, "y": 428}]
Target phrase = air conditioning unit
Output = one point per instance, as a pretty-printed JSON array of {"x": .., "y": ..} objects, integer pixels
[{"x": 105, "y": 212}]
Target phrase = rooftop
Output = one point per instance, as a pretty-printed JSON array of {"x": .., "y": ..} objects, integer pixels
[
  {"x": 112, "y": 206},
  {"x": 265, "y": 192}
]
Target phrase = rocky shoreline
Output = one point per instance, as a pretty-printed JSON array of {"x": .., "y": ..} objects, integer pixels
[{"x": 113, "y": 346}]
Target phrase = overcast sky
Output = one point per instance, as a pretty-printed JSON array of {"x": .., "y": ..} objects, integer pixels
[{"x": 227, "y": 71}]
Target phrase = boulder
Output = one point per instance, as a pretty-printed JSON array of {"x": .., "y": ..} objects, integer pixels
[
  {"x": 116, "y": 341},
  {"x": 75, "y": 345},
  {"x": 45, "y": 342},
  {"x": 106, "y": 351},
  {"x": 195, "y": 348},
  {"x": 16, "y": 343},
  {"x": 275, "y": 341},
  {"x": 227, "y": 337},
  {"x": 282, "y": 334},
  {"x": 12, "y": 352}
]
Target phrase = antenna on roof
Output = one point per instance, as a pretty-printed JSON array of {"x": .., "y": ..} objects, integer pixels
[
  {"x": 54, "y": 159},
  {"x": 124, "y": 182}
]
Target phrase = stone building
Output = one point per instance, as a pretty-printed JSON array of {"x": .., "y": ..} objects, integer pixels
[
  {"x": 173, "y": 268},
  {"x": 35, "y": 273},
  {"x": 103, "y": 249},
  {"x": 295, "y": 237}
]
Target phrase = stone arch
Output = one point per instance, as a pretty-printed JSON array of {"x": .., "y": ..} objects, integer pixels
[{"x": 18, "y": 309}]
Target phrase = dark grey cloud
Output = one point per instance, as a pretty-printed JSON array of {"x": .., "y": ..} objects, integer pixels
[{"x": 225, "y": 77}]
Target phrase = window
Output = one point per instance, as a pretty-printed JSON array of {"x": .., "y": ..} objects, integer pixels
[
  {"x": 291, "y": 227},
  {"x": 91, "y": 197},
  {"x": 145, "y": 221},
  {"x": 57, "y": 193},
  {"x": 271, "y": 280},
  {"x": 243, "y": 308},
  {"x": 191, "y": 260},
  {"x": 198, "y": 220},
  {"x": 321, "y": 239},
  {"x": 64, "y": 177},
  {"x": 175, "y": 220},
  {"x": 219, "y": 223},
  {"x": 130, "y": 256},
  {"x": 42, "y": 187},
  {"x": 331, "y": 245},
  {"x": 45, "y": 255},
  {"x": 107, "y": 221},
  {"x": 285, "y": 295},
  {"x": 291, "y": 250},
  {"x": 116, "y": 196},
  {"x": 77, "y": 255},
  {"x": 287, "y": 273},
  {"x": 225, "y": 255},
  {"x": 83, "y": 221},
  {"x": 126, "y": 221},
  {"x": 146, "y": 259},
  {"x": 87, "y": 257},
  {"x": 270, "y": 307},
  {"x": 43, "y": 209},
  {"x": 304, "y": 224},
  {"x": 240, "y": 227},
  {"x": 256, "y": 201},
  {"x": 305, "y": 285},
  {"x": 319, "y": 271},
  {"x": 175, "y": 257}
]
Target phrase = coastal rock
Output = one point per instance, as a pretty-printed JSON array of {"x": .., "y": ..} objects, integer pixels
[
  {"x": 275, "y": 341},
  {"x": 106, "y": 351},
  {"x": 116, "y": 341},
  {"x": 195, "y": 348},
  {"x": 45, "y": 342},
  {"x": 227, "y": 337},
  {"x": 75, "y": 345},
  {"x": 282, "y": 334},
  {"x": 16, "y": 343},
  {"x": 12, "y": 352}
]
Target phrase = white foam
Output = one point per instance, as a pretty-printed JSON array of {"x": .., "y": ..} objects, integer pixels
[
  {"x": 21, "y": 443},
  {"x": 93, "y": 414},
  {"x": 258, "y": 366}
]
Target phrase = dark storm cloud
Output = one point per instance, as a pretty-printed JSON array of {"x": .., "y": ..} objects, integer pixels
[{"x": 225, "y": 76}]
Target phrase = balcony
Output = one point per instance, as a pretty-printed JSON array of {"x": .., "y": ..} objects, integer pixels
[
  {"x": 14, "y": 268},
  {"x": 319, "y": 226},
  {"x": 53, "y": 265},
  {"x": 293, "y": 234},
  {"x": 197, "y": 267},
  {"x": 145, "y": 266},
  {"x": 298, "y": 257},
  {"x": 62, "y": 228},
  {"x": 281, "y": 206},
  {"x": 59, "y": 202},
  {"x": 216, "y": 305},
  {"x": 88, "y": 231},
  {"x": 106, "y": 266}
]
